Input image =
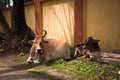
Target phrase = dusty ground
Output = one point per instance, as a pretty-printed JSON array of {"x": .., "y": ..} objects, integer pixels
[{"x": 10, "y": 70}]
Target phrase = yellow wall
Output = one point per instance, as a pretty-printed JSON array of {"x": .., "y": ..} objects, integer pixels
[
  {"x": 58, "y": 20},
  {"x": 102, "y": 21},
  {"x": 30, "y": 16}
]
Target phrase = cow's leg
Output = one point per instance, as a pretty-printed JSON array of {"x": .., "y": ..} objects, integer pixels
[
  {"x": 29, "y": 60},
  {"x": 36, "y": 58},
  {"x": 31, "y": 56},
  {"x": 47, "y": 58},
  {"x": 37, "y": 51},
  {"x": 77, "y": 52},
  {"x": 86, "y": 53}
]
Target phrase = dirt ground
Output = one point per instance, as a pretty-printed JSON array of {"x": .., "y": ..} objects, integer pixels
[{"x": 10, "y": 70}]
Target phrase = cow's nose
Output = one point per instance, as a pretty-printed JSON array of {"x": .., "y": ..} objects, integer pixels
[{"x": 38, "y": 50}]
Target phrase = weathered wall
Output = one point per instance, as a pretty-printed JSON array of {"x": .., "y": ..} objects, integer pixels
[{"x": 102, "y": 21}]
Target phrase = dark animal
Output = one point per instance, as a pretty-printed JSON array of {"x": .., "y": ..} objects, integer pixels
[{"x": 85, "y": 49}]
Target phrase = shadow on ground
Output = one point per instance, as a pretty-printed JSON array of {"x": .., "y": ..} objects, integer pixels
[{"x": 19, "y": 72}]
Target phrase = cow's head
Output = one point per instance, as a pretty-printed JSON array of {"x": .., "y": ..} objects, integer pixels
[
  {"x": 37, "y": 40},
  {"x": 35, "y": 49}
]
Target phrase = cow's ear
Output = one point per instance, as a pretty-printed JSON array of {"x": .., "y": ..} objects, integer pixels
[{"x": 31, "y": 41}]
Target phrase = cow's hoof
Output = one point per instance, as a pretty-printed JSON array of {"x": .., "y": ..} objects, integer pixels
[
  {"x": 36, "y": 61},
  {"x": 29, "y": 60}
]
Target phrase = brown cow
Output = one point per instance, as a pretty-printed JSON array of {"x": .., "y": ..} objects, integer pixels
[
  {"x": 47, "y": 50},
  {"x": 33, "y": 57},
  {"x": 53, "y": 49}
]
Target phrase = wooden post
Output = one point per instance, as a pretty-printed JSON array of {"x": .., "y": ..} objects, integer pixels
[
  {"x": 78, "y": 28},
  {"x": 37, "y": 18}
]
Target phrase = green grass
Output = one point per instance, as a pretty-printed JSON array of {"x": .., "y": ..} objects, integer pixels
[{"x": 84, "y": 69}]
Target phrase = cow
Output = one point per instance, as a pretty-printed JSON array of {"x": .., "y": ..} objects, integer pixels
[
  {"x": 82, "y": 50},
  {"x": 53, "y": 49},
  {"x": 45, "y": 50},
  {"x": 85, "y": 49}
]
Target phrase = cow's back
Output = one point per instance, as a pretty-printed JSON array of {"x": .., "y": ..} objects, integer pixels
[{"x": 55, "y": 49}]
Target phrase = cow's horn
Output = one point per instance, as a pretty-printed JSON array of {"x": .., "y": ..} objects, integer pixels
[{"x": 45, "y": 33}]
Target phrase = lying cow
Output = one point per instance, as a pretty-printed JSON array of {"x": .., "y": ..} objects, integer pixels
[
  {"x": 53, "y": 49},
  {"x": 85, "y": 49},
  {"x": 47, "y": 50},
  {"x": 82, "y": 50}
]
